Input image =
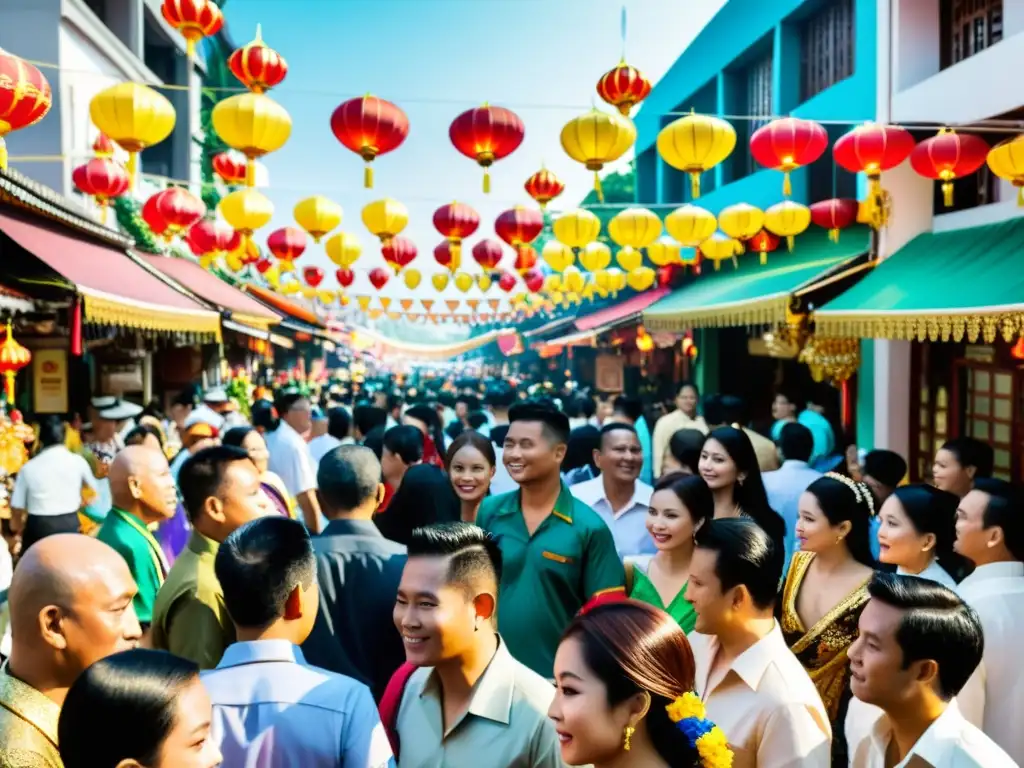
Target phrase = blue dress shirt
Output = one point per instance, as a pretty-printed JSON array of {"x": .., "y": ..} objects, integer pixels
[
  {"x": 643, "y": 433},
  {"x": 821, "y": 431},
  {"x": 271, "y": 708},
  {"x": 784, "y": 486}
]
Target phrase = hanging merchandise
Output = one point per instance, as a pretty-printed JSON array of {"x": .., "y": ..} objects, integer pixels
[
  {"x": 691, "y": 225},
  {"x": 345, "y": 277},
  {"x": 763, "y": 243},
  {"x": 947, "y": 156},
  {"x": 544, "y": 186},
  {"x": 313, "y": 276},
  {"x": 694, "y": 144},
  {"x": 741, "y": 221},
  {"x": 557, "y": 255},
  {"x": 379, "y": 277},
  {"x": 194, "y": 20},
  {"x": 385, "y": 218},
  {"x": 287, "y": 243},
  {"x": 487, "y": 134},
  {"x": 526, "y": 259},
  {"x": 786, "y": 219},
  {"x": 595, "y": 256},
  {"x": 102, "y": 178},
  {"x": 456, "y": 221},
  {"x": 834, "y": 215},
  {"x": 596, "y": 139},
  {"x": 178, "y": 208},
  {"x": 576, "y": 228},
  {"x": 246, "y": 210},
  {"x": 787, "y": 144},
  {"x": 1005, "y": 160},
  {"x": 664, "y": 252},
  {"x": 487, "y": 253},
  {"x": 623, "y": 87},
  {"x": 254, "y": 124},
  {"x": 720, "y": 247},
  {"x": 412, "y": 278},
  {"x": 317, "y": 215},
  {"x": 343, "y": 249},
  {"x": 872, "y": 149},
  {"x": 25, "y": 97},
  {"x": 258, "y": 66},
  {"x": 133, "y": 116},
  {"x": 230, "y": 167},
  {"x": 641, "y": 278},
  {"x": 398, "y": 253},
  {"x": 369, "y": 127}
]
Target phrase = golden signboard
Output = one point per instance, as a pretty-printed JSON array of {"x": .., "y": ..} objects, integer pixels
[{"x": 50, "y": 380}]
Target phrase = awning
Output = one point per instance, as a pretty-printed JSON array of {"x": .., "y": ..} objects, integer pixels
[
  {"x": 12, "y": 301},
  {"x": 246, "y": 330},
  {"x": 552, "y": 347},
  {"x": 752, "y": 294},
  {"x": 244, "y": 309},
  {"x": 621, "y": 313},
  {"x": 116, "y": 290},
  {"x": 285, "y": 307},
  {"x": 554, "y": 326},
  {"x": 943, "y": 285}
]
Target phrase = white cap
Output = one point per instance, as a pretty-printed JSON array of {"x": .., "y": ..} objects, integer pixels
[
  {"x": 119, "y": 410},
  {"x": 217, "y": 396},
  {"x": 203, "y": 414},
  {"x": 104, "y": 401}
]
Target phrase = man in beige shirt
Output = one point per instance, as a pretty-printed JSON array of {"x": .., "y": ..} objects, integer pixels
[
  {"x": 683, "y": 417},
  {"x": 753, "y": 687},
  {"x": 726, "y": 410},
  {"x": 469, "y": 703}
]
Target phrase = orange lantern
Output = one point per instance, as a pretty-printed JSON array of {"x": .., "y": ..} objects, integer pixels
[
  {"x": 25, "y": 97},
  {"x": 231, "y": 167},
  {"x": 13, "y": 357},
  {"x": 369, "y": 127},
  {"x": 623, "y": 87},
  {"x": 287, "y": 243},
  {"x": 764, "y": 242},
  {"x": 544, "y": 186},
  {"x": 194, "y": 19},
  {"x": 258, "y": 66}
]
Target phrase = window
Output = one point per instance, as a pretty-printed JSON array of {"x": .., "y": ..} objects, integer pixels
[
  {"x": 757, "y": 92},
  {"x": 826, "y": 42},
  {"x": 969, "y": 27},
  {"x": 99, "y": 7}
]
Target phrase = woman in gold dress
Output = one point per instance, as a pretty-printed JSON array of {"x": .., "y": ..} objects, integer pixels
[{"x": 834, "y": 563}]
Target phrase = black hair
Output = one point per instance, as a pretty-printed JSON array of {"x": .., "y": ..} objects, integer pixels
[
  {"x": 714, "y": 412},
  {"x": 796, "y": 442},
  {"x": 454, "y": 429},
  {"x": 473, "y": 439},
  {"x": 394, "y": 401},
  {"x": 338, "y": 422},
  {"x": 580, "y": 406},
  {"x": 138, "y": 434},
  {"x": 691, "y": 385},
  {"x": 347, "y": 478},
  {"x": 472, "y": 402},
  {"x": 685, "y": 446},
  {"x": 189, "y": 395},
  {"x": 51, "y": 431},
  {"x": 746, "y": 555},
  {"x": 501, "y": 394},
  {"x": 693, "y": 493},
  {"x": 366, "y": 418},
  {"x": 202, "y": 473},
  {"x": 933, "y": 511},
  {"x": 579, "y": 452},
  {"x": 936, "y": 625},
  {"x": 139, "y": 691},
  {"x": 848, "y": 501},
  {"x": 477, "y": 419},
  {"x": 555, "y": 423},
  {"x": 1004, "y": 509},
  {"x": 971, "y": 452},
  {"x": 790, "y": 394},
  {"x": 630, "y": 407},
  {"x": 405, "y": 442},
  {"x": 264, "y": 416},
  {"x": 615, "y": 426},
  {"x": 236, "y": 435},
  {"x": 428, "y": 416},
  {"x": 734, "y": 409},
  {"x": 474, "y": 554},
  {"x": 284, "y": 402},
  {"x": 259, "y": 565},
  {"x": 425, "y": 497},
  {"x": 887, "y": 467},
  {"x": 374, "y": 440}
]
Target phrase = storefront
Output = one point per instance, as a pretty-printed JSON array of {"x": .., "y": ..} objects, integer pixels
[{"x": 300, "y": 342}]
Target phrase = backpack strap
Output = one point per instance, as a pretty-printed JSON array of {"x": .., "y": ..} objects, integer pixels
[{"x": 391, "y": 702}]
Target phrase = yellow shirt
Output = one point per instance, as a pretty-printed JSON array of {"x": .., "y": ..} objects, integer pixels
[
  {"x": 667, "y": 426},
  {"x": 28, "y": 726}
]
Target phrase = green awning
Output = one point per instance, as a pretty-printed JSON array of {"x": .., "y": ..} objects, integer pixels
[
  {"x": 752, "y": 294},
  {"x": 941, "y": 285}
]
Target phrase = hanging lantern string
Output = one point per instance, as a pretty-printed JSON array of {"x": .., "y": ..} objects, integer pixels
[{"x": 622, "y": 32}]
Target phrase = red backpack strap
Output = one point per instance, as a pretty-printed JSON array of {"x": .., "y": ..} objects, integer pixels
[{"x": 391, "y": 702}]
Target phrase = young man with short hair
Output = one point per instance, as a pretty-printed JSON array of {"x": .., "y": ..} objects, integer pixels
[
  {"x": 269, "y": 706},
  {"x": 752, "y": 685},
  {"x": 403, "y": 448},
  {"x": 558, "y": 552},
  {"x": 469, "y": 702},
  {"x": 918, "y": 645}
]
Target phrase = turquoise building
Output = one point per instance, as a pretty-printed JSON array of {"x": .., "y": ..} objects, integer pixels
[{"x": 814, "y": 59}]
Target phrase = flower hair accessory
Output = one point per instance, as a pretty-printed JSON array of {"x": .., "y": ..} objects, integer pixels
[
  {"x": 860, "y": 491},
  {"x": 688, "y": 713}
]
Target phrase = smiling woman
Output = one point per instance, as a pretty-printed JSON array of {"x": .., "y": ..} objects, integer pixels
[{"x": 471, "y": 465}]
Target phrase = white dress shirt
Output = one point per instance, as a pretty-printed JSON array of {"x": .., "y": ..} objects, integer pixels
[
  {"x": 784, "y": 487},
  {"x": 949, "y": 742},
  {"x": 765, "y": 703},
  {"x": 324, "y": 444},
  {"x": 629, "y": 524},
  {"x": 934, "y": 572},
  {"x": 290, "y": 459},
  {"x": 996, "y": 592},
  {"x": 51, "y": 483}
]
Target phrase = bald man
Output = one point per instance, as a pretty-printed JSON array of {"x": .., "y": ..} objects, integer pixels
[
  {"x": 143, "y": 493},
  {"x": 71, "y": 605}
]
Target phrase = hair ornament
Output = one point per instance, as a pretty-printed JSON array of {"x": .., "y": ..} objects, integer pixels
[
  {"x": 860, "y": 491},
  {"x": 687, "y": 712}
]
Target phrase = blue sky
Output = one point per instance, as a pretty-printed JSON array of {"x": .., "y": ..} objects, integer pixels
[{"x": 435, "y": 59}]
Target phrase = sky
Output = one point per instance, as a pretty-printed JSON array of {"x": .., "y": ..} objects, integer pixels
[{"x": 436, "y": 59}]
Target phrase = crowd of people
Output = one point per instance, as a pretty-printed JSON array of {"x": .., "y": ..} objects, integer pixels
[{"x": 490, "y": 574}]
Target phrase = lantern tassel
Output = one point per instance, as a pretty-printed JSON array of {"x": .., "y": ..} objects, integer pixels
[
  {"x": 456, "y": 253},
  {"x": 695, "y": 184},
  {"x": 597, "y": 188},
  {"x": 833, "y": 234},
  {"x": 735, "y": 263},
  {"x": 250, "y": 172},
  {"x": 718, "y": 265},
  {"x": 789, "y": 242},
  {"x": 1020, "y": 192},
  {"x": 947, "y": 193},
  {"x": 368, "y": 176},
  {"x": 103, "y": 213},
  {"x": 190, "y": 48},
  {"x": 3, "y": 154},
  {"x": 9, "y": 387},
  {"x": 787, "y": 186},
  {"x": 487, "y": 182},
  {"x": 132, "y": 166},
  {"x": 764, "y": 258},
  {"x": 75, "y": 327}
]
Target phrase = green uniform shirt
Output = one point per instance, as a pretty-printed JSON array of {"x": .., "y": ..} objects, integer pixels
[
  {"x": 146, "y": 561},
  {"x": 546, "y": 578}
]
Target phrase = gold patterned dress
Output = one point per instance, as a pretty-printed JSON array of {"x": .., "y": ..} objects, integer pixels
[{"x": 822, "y": 649}]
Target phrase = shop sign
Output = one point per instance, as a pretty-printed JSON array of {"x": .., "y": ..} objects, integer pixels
[{"x": 50, "y": 380}]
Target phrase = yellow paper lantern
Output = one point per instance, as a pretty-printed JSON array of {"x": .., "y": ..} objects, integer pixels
[
  {"x": 246, "y": 210},
  {"x": 463, "y": 281},
  {"x": 635, "y": 227},
  {"x": 134, "y": 117},
  {"x": 572, "y": 280},
  {"x": 629, "y": 258},
  {"x": 691, "y": 225},
  {"x": 344, "y": 249},
  {"x": 576, "y": 228},
  {"x": 741, "y": 221},
  {"x": 664, "y": 252},
  {"x": 641, "y": 278},
  {"x": 1006, "y": 160},
  {"x": 786, "y": 219},
  {"x": 234, "y": 262},
  {"x": 254, "y": 124},
  {"x": 553, "y": 284},
  {"x": 318, "y": 216},
  {"x": 720, "y": 247},
  {"x": 601, "y": 279},
  {"x": 440, "y": 281},
  {"x": 616, "y": 280},
  {"x": 308, "y": 292},
  {"x": 290, "y": 288},
  {"x": 364, "y": 302},
  {"x": 596, "y": 139},
  {"x": 385, "y": 218},
  {"x": 483, "y": 282},
  {"x": 326, "y": 297},
  {"x": 557, "y": 255},
  {"x": 694, "y": 144},
  {"x": 272, "y": 276},
  {"x": 595, "y": 256},
  {"x": 412, "y": 278}
]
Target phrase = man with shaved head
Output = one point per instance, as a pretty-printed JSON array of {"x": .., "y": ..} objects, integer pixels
[
  {"x": 71, "y": 605},
  {"x": 143, "y": 492}
]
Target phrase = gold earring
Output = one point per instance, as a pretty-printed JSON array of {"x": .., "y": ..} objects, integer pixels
[{"x": 630, "y": 730}]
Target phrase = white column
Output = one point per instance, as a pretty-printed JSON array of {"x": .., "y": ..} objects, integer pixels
[
  {"x": 147, "y": 378},
  {"x": 892, "y": 396}
]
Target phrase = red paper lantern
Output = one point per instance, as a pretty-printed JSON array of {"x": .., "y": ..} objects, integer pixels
[
  {"x": 230, "y": 166},
  {"x": 872, "y": 148},
  {"x": 507, "y": 282},
  {"x": 313, "y": 276},
  {"x": 787, "y": 144},
  {"x": 947, "y": 156},
  {"x": 399, "y": 253},
  {"x": 764, "y": 242},
  {"x": 834, "y": 215},
  {"x": 487, "y": 134},
  {"x": 519, "y": 226},
  {"x": 212, "y": 238},
  {"x": 369, "y": 127},
  {"x": 623, "y": 87},
  {"x": 102, "y": 179},
  {"x": 13, "y": 357},
  {"x": 287, "y": 243},
  {"x": 263, "y": 266},
  {"x": 177, "y": 208},
  {"x": 194, "y": 20},
  {"x": 544, "y": 186},
  {"x": 152, "y": 217},
  {"x": 443, "y": 256},
  {"x": 534, "y": 280},
  {"x": 345, "y": 277},
  {"x": 379, "y": 277},
  {"x": 526, "y": 259},
  {"x": 487, "y": 253},
  {"x": 25, "y": 97},
  {"x": 456, "y": 221},
  {"x": 258, "y": 66}
]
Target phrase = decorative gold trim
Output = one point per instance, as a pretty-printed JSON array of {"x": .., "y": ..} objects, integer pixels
[
  {"x": 766, "y": 310},
  {"x": 253, "y": 321},
  {"x": 985, "y": 324},
  {"x": 113, "y": 311}
]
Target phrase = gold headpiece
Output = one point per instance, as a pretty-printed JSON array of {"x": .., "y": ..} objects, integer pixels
[{"x": 860, "y": 491}]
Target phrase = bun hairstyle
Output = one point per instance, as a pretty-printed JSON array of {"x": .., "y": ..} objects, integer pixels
[{"x": 844, "y": 500}]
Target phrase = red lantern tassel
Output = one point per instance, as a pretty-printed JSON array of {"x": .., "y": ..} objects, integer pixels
[{"x": 75, "y": 326}]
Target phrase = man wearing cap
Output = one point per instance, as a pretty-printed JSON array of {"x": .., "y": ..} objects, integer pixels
[
  {"x": 217, "y": 400},
  {"x": 201, "y": 429},
  {"x": 108, "y": 413}
]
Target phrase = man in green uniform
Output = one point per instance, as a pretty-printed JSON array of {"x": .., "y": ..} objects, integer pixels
[{"x": 557, "y": 552}]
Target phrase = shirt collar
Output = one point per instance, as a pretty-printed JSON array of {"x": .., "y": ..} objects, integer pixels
[
  {"x": 931, "y": 747},
  {"x": 29, "y": 704},
  {"x": 596, "y": 492},
  {"x": 796, "y": 464},
  {"x": 349, "y": 527},
  {"x": 201, "y": 545},
  {"x": 562, "y": 509},
  {"x": 261, "y": 651},
  {"x": 493, "y": 692},
  {"x": 1005, "y": 570},
  {"x": 754, "y": 662}
]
